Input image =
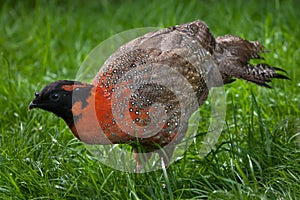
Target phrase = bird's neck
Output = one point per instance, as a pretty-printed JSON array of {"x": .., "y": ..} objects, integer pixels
[{"x": 85, "y": 114}]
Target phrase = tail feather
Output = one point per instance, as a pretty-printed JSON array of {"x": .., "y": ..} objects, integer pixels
[
  {"x": 238, "y": 48},
  {"x": 233, "y": 55},
  {"x": 262, "y": 74}
]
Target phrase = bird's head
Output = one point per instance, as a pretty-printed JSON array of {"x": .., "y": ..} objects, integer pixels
[{"x": 58, "y": 97}]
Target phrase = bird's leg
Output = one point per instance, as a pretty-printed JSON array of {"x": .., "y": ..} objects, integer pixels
[
  {"x": 137, "y": 159},
  {"x": 166, "y": 154},
  {"x": 141, "y": 159}
]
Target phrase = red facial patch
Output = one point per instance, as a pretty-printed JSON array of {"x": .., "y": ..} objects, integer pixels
[{"x": 72, "y": 87}]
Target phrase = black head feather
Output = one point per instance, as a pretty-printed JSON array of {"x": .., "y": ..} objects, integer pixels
[{"x": 57, "y": 97}]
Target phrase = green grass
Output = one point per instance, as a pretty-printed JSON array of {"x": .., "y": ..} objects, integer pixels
[{"x": 258, "y": 153}]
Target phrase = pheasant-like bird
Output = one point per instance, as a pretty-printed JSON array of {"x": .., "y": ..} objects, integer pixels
[{"x": 146, "y": 91}]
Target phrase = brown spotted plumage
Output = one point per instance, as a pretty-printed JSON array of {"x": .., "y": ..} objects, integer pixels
[{"x": 168, "y": 72}]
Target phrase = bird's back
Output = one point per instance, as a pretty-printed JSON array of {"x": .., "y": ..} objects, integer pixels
[{"x": 155, "y": 82}]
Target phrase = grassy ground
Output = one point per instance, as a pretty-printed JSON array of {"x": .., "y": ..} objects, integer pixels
[{"x": 258, "y": 154}]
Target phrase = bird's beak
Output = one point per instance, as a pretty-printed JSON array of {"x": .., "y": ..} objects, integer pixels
[{"x": 32, "y": 103}]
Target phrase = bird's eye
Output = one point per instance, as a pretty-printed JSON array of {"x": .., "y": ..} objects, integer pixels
[{"x": 54, "y": 97}]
